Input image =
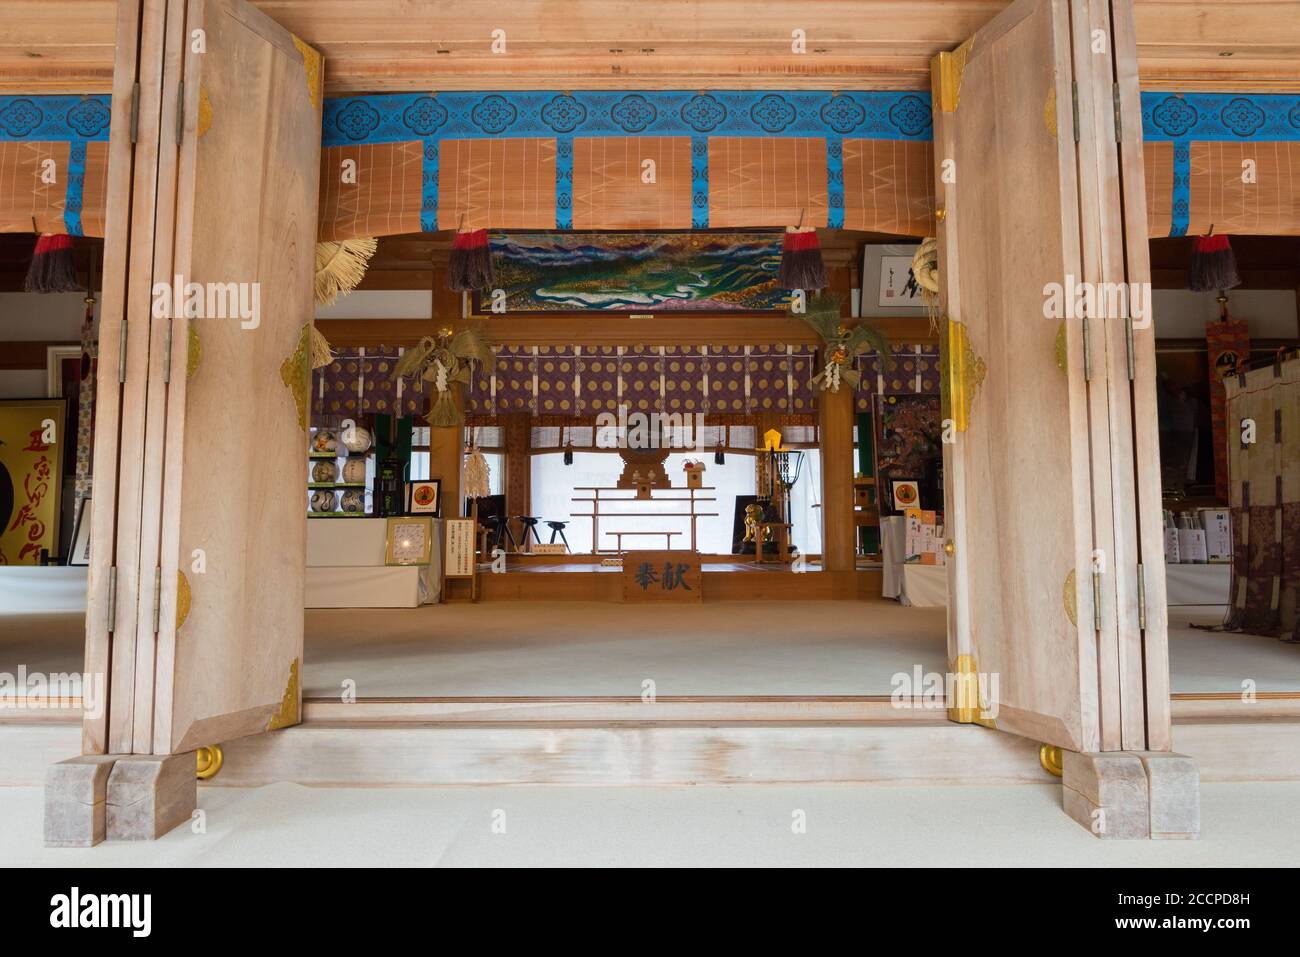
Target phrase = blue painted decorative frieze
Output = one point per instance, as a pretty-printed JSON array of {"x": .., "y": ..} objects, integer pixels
[
  {"x": 398, "y": 117},
  {"x": 1219, "y": 117}
]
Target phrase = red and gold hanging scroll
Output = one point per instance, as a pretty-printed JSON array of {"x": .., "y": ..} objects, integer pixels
[{"x": 1228, "y": 344}]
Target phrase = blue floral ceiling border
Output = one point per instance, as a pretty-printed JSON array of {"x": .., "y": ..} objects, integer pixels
[
  {"x": 1178, "y": 118},
  {"x": 402, "y": 117},
  {"x": 1181, "y": 118},
  {"x": 76, "y": 120}
]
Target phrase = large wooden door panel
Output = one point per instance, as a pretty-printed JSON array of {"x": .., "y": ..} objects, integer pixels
[
  {"x": 1052, "y": 493},
  {"x": 1021, "y": 453},
  {"x": 101, "y": 611},
  {"x": 232, "y": 500}
]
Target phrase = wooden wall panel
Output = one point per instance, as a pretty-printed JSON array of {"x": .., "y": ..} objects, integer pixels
[
  {"x": 608, "y": 190},
  {"x": 1268, "y": 206},
  {"x": 1158, "y": 165},
  {"x": 767, "y": 182},
  {"x": 24, "y": 199},
  {"x": 502, "y": 184},
  {"x": 889, "y": 186},
  {"x": 385, "y": 198}
]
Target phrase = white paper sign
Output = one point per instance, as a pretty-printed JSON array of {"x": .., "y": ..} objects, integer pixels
[{"x": 458, "y": 550}]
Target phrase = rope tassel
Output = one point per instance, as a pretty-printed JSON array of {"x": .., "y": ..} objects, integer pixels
[
  {"x": 340, "y": 267},
  {"x": 801, "y": 260},
  {"x": 1213, "y": 264},
  {"x": 53, "y": 268},
  {"x": 469, "y": 266}
]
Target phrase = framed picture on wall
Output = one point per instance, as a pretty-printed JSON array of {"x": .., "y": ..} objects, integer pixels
[
  {"x": 638, "y": 272},
  {"x": 897, "y": 287},
  {"x": 907, "y": 494},
  {"x": 887, "y": 287},
  {"x": 33, "y": 434},
  {"x": 423, "y": 498},
  {"x": 410, "y": 540}
]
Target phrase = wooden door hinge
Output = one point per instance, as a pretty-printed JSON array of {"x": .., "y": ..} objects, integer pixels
[
  {"x": 112, "y": 597},
  {"x": 157, "y": 598},
  {"x": 1119, "y": 125},
  {"x": 135, "y": 112},
  {"x": 1087, "y": 352},
  {"x": 1096, "y": 599},
  {"x": 1142, "y": 597},
  {"x": 1128, "y": 343},
  {"x": 167, "y": 352},
  {"x": 180, "y": 112},
  {"x": 1074, "y": 107}
]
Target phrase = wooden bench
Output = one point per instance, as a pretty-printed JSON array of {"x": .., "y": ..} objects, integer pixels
[{"x": 618, "y": 538}]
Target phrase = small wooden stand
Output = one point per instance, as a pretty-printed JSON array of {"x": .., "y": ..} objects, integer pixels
[{"x": 460, "y": 536}]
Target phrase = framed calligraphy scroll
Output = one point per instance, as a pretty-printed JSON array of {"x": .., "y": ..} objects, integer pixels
[{"x": 31, "y": 475}]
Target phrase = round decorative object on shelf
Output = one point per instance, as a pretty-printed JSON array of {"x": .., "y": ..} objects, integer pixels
[
  {"x": 326, "y": 471},
  {"x": 356, "y": 439},
  {"x": 322, "y": 501},
  {"x": 354, "y": 470},
  {"x": 353, "y": 500},
  {"x": 325, "y": 440}
]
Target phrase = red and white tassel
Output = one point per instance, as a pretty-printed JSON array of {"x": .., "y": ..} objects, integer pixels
[
  {"x": 801, "y": 260},
  {"x": 469, "y": 267},
  {"x": 1213, "y": 266},
  {"x": 54, "y": 267}
]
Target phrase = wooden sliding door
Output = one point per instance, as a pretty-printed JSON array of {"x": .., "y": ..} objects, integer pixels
[
  {"x": 1047, "y": 504},
  {"x": 212, "y": 647}
]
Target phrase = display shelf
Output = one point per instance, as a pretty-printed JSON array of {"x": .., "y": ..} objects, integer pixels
[{"x": 341, "y": 455}]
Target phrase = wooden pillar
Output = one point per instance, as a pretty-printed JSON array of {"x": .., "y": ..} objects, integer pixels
[
  {"x": 516, "y": 434},
  {"x": 447, "y": 458},
  {"x": 835, "y": 420}
]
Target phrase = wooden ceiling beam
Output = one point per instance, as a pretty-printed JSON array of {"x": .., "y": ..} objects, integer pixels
[{"x": 376, "y": 46}]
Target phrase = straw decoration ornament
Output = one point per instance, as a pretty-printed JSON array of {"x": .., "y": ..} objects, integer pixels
[
  {"x": 444, "y": 359},
  {"x": 925, "y": 270},
  {"x": 475, "y": 480},
  {"x": 340, "y": 267},
  {"x": 843, "y": 343},
  {"x": 321, "y": 355}
]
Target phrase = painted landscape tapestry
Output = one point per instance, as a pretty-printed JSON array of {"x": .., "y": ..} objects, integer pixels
[{"x": 638, "y": 272}]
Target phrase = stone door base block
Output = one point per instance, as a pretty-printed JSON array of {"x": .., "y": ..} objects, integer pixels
[
  {"x": 1127, "y": 795},
  {"x": 134, "y": 797}
]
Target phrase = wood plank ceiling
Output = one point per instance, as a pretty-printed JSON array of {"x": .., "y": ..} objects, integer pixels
[{"x": 51, "y": 46}]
